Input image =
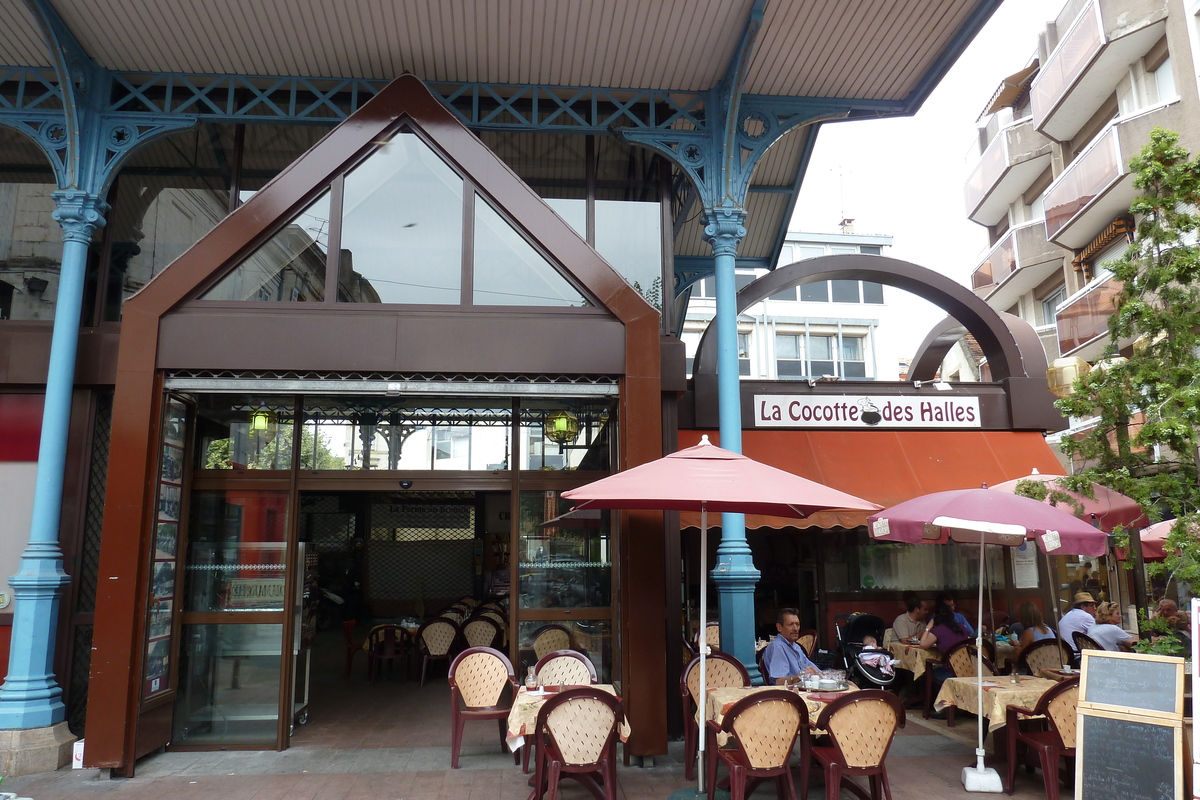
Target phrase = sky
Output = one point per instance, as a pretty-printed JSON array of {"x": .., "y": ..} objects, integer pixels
[{"x": 904, "y": 176}]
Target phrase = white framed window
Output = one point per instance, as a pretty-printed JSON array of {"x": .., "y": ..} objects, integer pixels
[
  {"x": 744, "y": 355},
  {"x": 1050, "y": 304}
]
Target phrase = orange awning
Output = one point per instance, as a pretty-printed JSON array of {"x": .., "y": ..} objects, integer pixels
[{"x": 887, "y": 466}]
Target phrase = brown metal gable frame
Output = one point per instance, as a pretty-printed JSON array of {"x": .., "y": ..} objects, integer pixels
[{"x": 121, "y": 595}]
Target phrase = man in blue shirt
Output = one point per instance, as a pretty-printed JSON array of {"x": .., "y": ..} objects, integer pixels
[
  {"x": 784, "y": 660},
  {"x": 967, "y": 627}
]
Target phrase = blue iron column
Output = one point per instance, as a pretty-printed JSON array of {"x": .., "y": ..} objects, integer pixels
[
  {"x": 734, "y": 572},
  {"x": 30, "y": 696}
]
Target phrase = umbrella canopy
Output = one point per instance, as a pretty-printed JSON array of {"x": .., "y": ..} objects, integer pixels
[
  {"x": 718, "y": 480},
  {"x": 1154, "y": 540},
  {"x": 1109, "y": 508},
  {"x": 1004, "y": 518}
]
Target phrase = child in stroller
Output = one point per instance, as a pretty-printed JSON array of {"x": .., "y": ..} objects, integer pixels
[{"x": 866, "y": 664}]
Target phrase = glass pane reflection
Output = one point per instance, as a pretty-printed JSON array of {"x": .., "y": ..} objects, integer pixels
[
  {"x": 509, "y": 271},
  {"x": 568, "y": 565},
  {"x": 402, "y": 227},
  {"x": 592, "y": 637},
  {"x": 229, "y": 684},
  {"x": 236, "y": 559},
  {"x": 244, "y": 432}
]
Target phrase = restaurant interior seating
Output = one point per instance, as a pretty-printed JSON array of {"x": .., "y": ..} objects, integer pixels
[
  {"x": 565, "y": 667},
  {"x": 434, "y": 640},
  {"x": 861, "y": 727},
  {"x": 576, "y": 735},
  {"x": 762, "y": 729},
  {"x": 1044, "y": 654},
  {"x": 386, "y": 644},
  {"x": 721, "y": 670},
  {"x": 1051, "y": 738},
  {"x": 478, "y": 677},
  {"x": 549, "y": 638},
  {"x": 481, "y": 632}
]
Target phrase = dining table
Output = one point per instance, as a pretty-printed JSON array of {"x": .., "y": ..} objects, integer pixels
[
  {"x": 721, "y": 699},
  {"x": 912, "y": 657},
  {"x": 999, "y": 692},
  {"x": 522, "y": 717}
]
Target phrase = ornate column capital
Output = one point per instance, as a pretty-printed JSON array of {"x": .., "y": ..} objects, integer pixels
[
  {"x": 724, "y": 229},
  {"x": 79, "y": 213}
]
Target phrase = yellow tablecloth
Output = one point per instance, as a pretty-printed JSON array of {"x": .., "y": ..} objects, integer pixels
[
  {"x": 911, "y": 657},
  {"x": 722, "y": 699},
  {"x": 1005, "y": 654},
  {"x": 522, "y": 717},
  {"x": 998, "y": 694}
]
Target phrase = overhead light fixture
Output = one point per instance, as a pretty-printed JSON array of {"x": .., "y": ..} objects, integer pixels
[
  {"x": 261, "y": 418},
  {"x": 561, "y": 427},
  {"x": 1062, "y": 374}
]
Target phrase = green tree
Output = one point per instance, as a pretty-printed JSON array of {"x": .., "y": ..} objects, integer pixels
[
  {"x": 276, "y": 452},
  {"x": 1148, "y": 405}
]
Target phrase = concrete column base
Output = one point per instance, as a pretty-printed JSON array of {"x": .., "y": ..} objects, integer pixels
[{"x": 24, "y": 751}]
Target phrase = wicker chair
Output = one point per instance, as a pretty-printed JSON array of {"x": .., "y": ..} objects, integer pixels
[
  {"x": 386, "y": 643},
  {"x": 712, "y": 636},
  {"x": 549, "y": 638},
  {"x": 808, "y": 640},
  {"x": 576, "y": 734},
  {"x": 481, "y": 632},
  {"x": 478, "y": 677},
  {"x": 861, "y": 728},
  {"x": 1085, "y": 642},
  {"x": 1057, "y": 705},
  {"x": 567, "y": 667},
  {"x": 762, "y": 730},
  {"x": 1043, "y": 654},
  {"x": 435, "y": 638},
  {"x": 721, "y": 670},
  {"x": 960, "y": 660}
]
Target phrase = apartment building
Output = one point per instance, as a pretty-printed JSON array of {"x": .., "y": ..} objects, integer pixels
[
  {"x": 1051, "y": 181},
  {"x": 820, "y": 330}
]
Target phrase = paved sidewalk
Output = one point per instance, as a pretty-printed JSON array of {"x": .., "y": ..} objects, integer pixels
[{"x": 925, "y": 763}]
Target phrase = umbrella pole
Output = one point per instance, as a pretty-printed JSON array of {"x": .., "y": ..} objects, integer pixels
[
  {"x": 980, "y": 778},
  {"x": 1062, "y": 656},
  {"x": 702, "y": 646}
]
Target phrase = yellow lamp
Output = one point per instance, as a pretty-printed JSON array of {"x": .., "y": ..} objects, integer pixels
[
  {"x": 262, "y": 418},
  {"x": 561, "y": 427},
  {"x": 1063, "y": 373}
]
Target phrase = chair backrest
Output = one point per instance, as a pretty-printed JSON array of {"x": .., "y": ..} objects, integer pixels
[
  {"x": 862, "y": 726},
  {"x": 765, "y": 725},
  {"x": 712, "y": 635},
  {"x": 579, "y": 725},
  {"x": 385, "y": 640},
  {"x": 549, "y": 638},
  {"x": 1085, "y": 642},
  {"x": 1058, "y": 704},
  {"x": 494, "y": 616},
  {"x": 565, "y": 667},
  {"x": 437, "y": 635},
  {"x": 961, "y": 661},
  {"x": 479, "y": 675},
  {"x": 720, "y": 670},
  {"x": 808, "y": 640},
  {"x": 481, "y": 632},
  {"x": 1043, "y": 654}
]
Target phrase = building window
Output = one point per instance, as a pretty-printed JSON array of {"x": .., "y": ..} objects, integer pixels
[
  {"x": 815, "y": 292},
  {"x": 1050, "y": 303},
  {"x": 853, "y": 365},
  {"x": 872, "y": 292},
  {"x": 789, "y": 356},
  {"x": 845, "y": 291},
  {"x": 744, "y": 354},
  {"x": 820, "y": 356}
]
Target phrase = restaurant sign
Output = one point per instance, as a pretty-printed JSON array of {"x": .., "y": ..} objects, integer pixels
[{"x": 853, "y": 411}]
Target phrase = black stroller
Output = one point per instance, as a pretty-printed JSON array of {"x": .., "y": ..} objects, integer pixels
[{"x": 868, "y": 669}]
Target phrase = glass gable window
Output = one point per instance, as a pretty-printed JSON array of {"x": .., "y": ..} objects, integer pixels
[
  {"x": 509, "y": 271},
  {"x": 402, "y": 227},
  {"x": 289, "y": 267}
]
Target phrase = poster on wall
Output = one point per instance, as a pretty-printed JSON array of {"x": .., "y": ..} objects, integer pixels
[
  {"x": 1024, "y": 566},
  {"x": 165, "y": 550}
]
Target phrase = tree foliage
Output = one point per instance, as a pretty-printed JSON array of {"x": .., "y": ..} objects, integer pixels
[
  {"x": 276, "y": 452},
  {"x": 1148, "y": 406}
]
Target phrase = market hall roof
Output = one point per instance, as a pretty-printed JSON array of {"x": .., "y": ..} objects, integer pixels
[{"x": 887, "y": 56}]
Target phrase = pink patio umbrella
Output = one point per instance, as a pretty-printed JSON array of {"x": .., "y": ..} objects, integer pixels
[
  {"x": 985, "y": 516},
  {"x": 1154, "y": 540},
  {"x": 708, "y": 478},
  {"x": 1108, "y": 507}
]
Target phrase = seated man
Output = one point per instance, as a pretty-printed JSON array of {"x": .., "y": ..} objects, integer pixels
[
  {"x": 784, "y": 660},
  {"x": 1081, "y": 617},
  {"x": 909, "y": 626}
]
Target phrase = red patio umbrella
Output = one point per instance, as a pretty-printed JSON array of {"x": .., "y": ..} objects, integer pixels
[
  {"x": 1108, "y": 507},
  {"x": 986, "y": 516},
  {"x": 708, "y": 478},
  {"x": 1154, "y": 540}
]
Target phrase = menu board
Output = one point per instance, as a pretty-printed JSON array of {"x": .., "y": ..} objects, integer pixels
[
  {"x": 1127, "y": 759},
  {"x": 1133, "y": 683},
  {"x": 164, "y": 551}
]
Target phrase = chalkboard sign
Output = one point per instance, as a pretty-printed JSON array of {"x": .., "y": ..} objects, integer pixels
[
  {"x": 1123, "y": 759},
  {"x": 1132, "y": 683}
]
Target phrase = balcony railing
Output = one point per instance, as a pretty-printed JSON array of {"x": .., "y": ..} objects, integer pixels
[
  {"x": 1074, "y": 52},
  {"x": 998, "y": 264},
  {"x": 1095, "y": 170},
  {"x": 1084, "y": 318},
  {"x": 991, "y": 166},
  {"x": 1014, "y": 157}
]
